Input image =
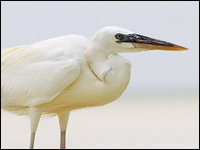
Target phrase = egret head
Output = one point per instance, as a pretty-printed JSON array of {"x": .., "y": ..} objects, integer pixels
[{"x": 120, "y": 40}]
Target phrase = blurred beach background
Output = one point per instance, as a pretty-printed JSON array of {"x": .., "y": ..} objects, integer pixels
[{"x": 159, "y": 109}]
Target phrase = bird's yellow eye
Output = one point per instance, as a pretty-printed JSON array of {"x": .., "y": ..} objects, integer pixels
[{"x": 119, "y": 36}]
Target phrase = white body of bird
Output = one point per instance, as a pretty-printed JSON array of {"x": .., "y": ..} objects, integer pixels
[
  {"x": 59, "y": 75},
  {"x": 54, "y": 76}
]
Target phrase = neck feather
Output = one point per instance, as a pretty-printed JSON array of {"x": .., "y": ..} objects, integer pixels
[{"x": 97, "y": 57}]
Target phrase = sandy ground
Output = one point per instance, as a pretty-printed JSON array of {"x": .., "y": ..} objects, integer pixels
[{"x": 158, "y": 123}]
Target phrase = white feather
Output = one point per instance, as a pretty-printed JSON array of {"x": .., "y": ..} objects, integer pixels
[{"x": 65, "y": 73}]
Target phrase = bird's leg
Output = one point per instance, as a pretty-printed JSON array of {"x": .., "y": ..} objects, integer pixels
[
  {"x": 34, "y": 115},
  {"x": 32, "y": 140},
  {"x": 63, "y": 120}
]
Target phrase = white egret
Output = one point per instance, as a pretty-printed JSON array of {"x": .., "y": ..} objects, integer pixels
[{"x": 58, "y": 75}]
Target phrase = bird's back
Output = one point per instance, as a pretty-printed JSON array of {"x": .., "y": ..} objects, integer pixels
[{"x": 35, "y": 74}]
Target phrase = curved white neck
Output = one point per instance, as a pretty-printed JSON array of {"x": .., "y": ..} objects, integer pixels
[
  {"x": 97, "y": 59},
  {"x": 105, "y": 67}
]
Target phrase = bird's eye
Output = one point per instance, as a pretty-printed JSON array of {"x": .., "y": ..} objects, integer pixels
[{"x": 119, "y": 36}]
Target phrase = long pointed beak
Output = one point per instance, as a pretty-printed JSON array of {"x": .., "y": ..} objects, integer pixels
[{"x": 143, "y": 42}]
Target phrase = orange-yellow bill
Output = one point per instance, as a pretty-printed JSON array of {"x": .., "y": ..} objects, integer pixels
[{"x": 144, "y": 42}]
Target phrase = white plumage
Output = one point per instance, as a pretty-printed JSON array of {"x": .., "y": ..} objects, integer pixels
[{"x": 59, "y": 75}]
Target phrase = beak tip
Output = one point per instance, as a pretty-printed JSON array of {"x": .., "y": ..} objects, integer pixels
[
  {"x": 177, "y": 48},
  {"x": 184, "y": 48}
]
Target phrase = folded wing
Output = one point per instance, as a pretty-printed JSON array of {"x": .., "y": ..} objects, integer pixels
[{"x": 31, "y": 76}]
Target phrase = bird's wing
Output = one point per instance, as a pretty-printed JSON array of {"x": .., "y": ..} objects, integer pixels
[{"x": 36, "y": 74}]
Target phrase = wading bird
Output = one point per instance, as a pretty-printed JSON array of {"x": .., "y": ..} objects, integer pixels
[{"x": 56, "y": 76}]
